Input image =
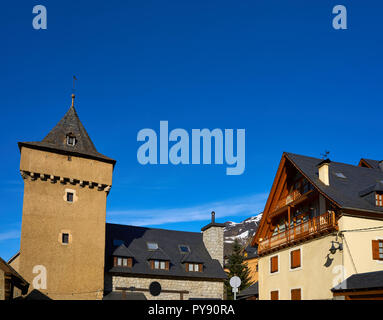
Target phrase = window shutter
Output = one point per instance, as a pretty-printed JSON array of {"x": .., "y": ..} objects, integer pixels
[
  {"x": 187, "y": 267},
  {"x": 295, "y": 258},
  {"x": 274, "y": 295},
  {"x": 375, "y": 249},
  {"x": 274, "y": 264},
  {"x": 130, "y": 262},
  {"x": 296, "y": 294},
  {"x": 115, "y": 261},
  {"x": 200, "y": 267},
  {"x": 167, "y": 265}
]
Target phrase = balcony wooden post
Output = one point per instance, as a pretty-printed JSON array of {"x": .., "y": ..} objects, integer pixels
[{"x": 288, "y": 219}]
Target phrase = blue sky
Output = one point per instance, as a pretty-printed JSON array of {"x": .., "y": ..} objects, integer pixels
[{"x": 274, "y": 68}]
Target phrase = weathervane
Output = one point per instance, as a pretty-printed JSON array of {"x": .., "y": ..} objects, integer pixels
[{"x": 325, "y": 154}]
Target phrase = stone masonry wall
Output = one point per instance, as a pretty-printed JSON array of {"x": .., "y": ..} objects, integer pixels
[
  {"x": 196, "y": 288},
  {"x": 2, "y": 285},
  {"x": 213, "y": 240}
]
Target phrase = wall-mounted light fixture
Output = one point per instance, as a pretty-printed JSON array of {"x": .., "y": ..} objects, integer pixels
[{"x": 333, "y": 248}]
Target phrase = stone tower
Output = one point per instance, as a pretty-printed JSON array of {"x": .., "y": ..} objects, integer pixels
[{"x": 66, "y": 183}]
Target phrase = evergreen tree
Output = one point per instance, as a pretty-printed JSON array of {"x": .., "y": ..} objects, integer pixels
[{"x": 237, "y": 267}]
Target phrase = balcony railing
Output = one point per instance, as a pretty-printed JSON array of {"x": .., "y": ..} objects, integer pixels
[
  {"x": 305, "y": 229},
  {"x": 290, "y": 198}
]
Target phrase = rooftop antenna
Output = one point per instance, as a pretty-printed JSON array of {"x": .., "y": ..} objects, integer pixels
[
  {"x": 325, "y": 154},
  {"x": 73, "y": 89}
]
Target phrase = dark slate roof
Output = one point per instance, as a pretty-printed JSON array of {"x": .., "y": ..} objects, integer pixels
[
  {"x": 249, "y": 292},
  {"x": 56, "y": 139},
  {"x": 344, "y": 191},
  {"x": 361, "y": 281},
  {"x": 376, "y": 187},
  {"x": 114, "y": 295},
  {"x": 372, "y": 163},
  {"x": 122, "y": 251},
  {"x": 158, "y": 254},
  {"x": 192, "y": 257},
  {"x": 136, "y": 239},
  {"x": 252, "y": 252}
]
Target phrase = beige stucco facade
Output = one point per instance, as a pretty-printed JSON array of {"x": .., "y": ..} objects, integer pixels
[
  {"x": 358, "y": 244},
  {"x": 74, "y": 270},
  {"x": 320, "y": 270},
  {"x": 196, "y": 288},
  {"x": 318, "y": 273}
]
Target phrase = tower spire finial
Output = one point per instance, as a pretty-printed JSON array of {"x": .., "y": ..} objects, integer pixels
[{"x": 73, "y": 89}]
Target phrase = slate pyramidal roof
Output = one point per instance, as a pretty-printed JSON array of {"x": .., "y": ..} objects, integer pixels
[{"x": 55, "y": 141}]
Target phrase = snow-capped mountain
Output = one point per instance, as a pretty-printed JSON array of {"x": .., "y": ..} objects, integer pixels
[{"x": 243, "y": 231}]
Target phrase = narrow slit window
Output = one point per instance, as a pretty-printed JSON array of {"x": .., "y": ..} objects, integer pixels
[
  {"x": 69, "y": 197},
  {"x": 65, "y": 238}
]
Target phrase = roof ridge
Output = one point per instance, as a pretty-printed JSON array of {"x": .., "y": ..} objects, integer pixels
[
  {"x": 147, "y": 228},
  {"x": 331, "y": 161}
]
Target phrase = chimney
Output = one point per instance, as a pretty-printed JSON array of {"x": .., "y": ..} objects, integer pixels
[
  {"x": 323, "y": 171},
  {"x": 212, "y": 235}
]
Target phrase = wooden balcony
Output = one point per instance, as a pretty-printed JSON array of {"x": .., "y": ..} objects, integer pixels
[
  {"x": 290, "y": 198},
  {"x": 305, "y": 230}
]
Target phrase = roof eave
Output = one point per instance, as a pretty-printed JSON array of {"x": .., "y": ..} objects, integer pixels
[{"x": 66, "y": 152}]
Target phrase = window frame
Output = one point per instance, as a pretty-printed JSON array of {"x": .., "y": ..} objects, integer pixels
[
  {"x": 300, "y": 294},
  {"x": 70, "y": 137},
  {"x": 151, "y": 242},
  {"x": 68, "y": 195},
  {"x": 379, "y": 250},
  {"x": 156, "y": 264},
  {"x": 193, "y": 267},
  {"x": 65, "y": 235},
  {"x": 291, "y": 268},
  {"x": 271, "y": 294},
  {"x": 278, "y": 264},
  {"x": 186, "y": 246},
  {"x": 378, "y": 199},
  {"x": 126, "y": 262}
]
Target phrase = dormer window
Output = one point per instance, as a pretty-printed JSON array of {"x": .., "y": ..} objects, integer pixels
[
  {"x": 123, "y": 262},
  {"x": 71, "y": 140},
  {"x": 194, "y": 267},
  {"x": 159, "y": 265},
  {"x": 379, "y": 199}
]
